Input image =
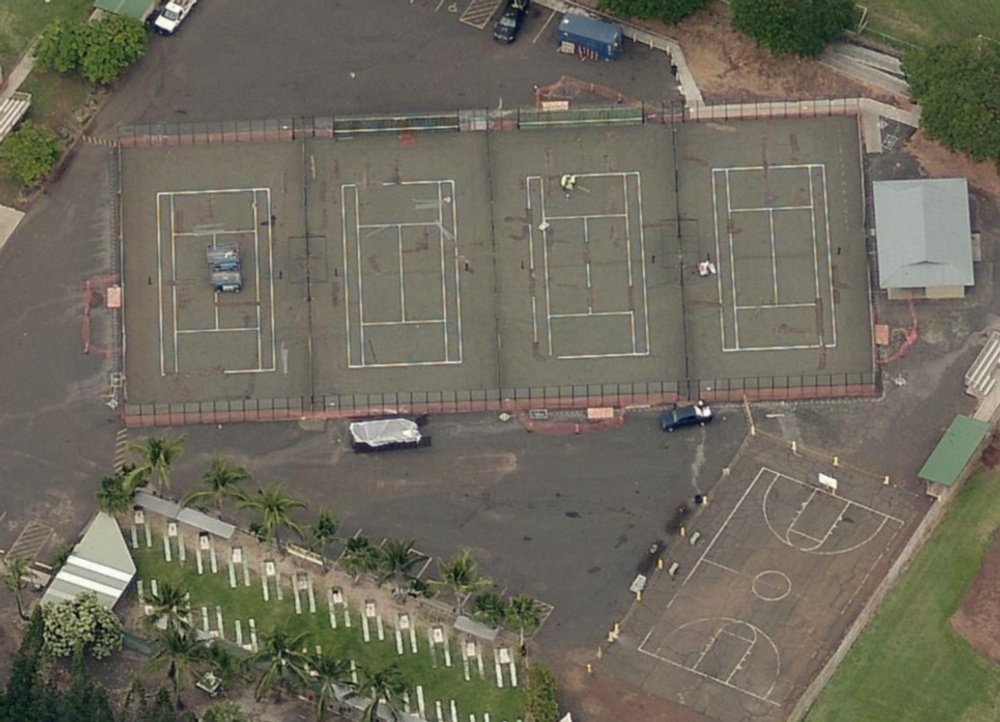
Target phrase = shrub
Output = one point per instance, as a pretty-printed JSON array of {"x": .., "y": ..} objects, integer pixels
[{"x": 29, "y": 153}]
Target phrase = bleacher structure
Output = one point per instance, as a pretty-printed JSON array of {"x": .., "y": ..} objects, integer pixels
[
  {"x": 12, "y": 109},
  {"x": 982, "y": 375}
]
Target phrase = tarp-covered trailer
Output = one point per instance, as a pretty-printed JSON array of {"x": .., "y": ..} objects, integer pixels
[
  {"x": 224, "y": 267},
  {"x": 586, "y": 37},
  {"x": 386, "y": 434}
]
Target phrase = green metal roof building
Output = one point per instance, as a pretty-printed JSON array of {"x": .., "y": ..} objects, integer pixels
[
  {"x": 951, "y": 457},
  {"x": 138, "y": 9}
]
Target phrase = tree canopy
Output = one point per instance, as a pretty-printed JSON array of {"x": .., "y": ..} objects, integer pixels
[
  {"x": 669, "y": 11},
  {"x": 958, "y": 88},
  {"x": 99, "y": 51},
  {"x": 29, "y": 153},
  {"x": 81, "y": 625},
  {"x": 796, "y": 27}
]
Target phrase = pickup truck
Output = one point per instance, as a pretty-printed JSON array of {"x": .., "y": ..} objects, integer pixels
[{"x": 172, "y": 15}]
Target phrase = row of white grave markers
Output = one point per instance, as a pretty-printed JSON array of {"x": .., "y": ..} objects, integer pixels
[
  {"x": 139, "y": 520},
  {"x": 503, "y": 659},
  {"x": 303, "y": 589}
]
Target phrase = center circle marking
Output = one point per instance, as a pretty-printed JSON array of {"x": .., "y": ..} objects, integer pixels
[{"x": 771, "y": 586}]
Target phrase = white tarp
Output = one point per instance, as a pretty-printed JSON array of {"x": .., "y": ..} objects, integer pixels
[{"x": 385, "y": 431}]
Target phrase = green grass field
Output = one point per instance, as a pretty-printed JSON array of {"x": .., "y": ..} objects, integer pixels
[
  {"x": 925, "y": 22},
  {"x": 909, "y": 666},
  {"x": 22, "y": 20},
  {"x": 439, "y": 682}
]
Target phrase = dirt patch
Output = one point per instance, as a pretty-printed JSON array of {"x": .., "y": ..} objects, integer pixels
[
  {"x": 978, "y": 619},
  {"x": 939, "y": 162},
  {"x": 600, "y": 696}
]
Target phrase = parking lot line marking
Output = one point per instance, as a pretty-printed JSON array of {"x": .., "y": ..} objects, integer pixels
[
  {"x": 534, "y": 40},
  {"x": 479, "y": 12}
]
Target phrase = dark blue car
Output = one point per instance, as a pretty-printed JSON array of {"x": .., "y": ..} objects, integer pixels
[
  {"x": 695, "y": 414},
  {"x": 510, "y": 21}
]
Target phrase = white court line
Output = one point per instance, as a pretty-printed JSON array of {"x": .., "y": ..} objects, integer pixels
[
  {"x": 218, "y": 229},
  {"x": 593, "y": 313},
  {"x": 183, "y": 331},
  {"x": 586, "y": 217},
  {"x": 214, "y": 231},
  {"x": 725, "y": 523},
  {"x": 545, "y": 264},
  {"x": 540, "y": 221},
  {"x": 774, "y": 258},
  {"x": 445, "y": 195},
  {"x": 789, "y": 166},
  {"x": 347, "y": 280},
  {"x": 173, "y": 279},
  {"x": 642, "y": 255},
  {"x": 775, "y": 305},
  {"x": 829, "y": 258},
  {"x": 718, "y": 259},
  {"x": 159, "y": 282},
  {"x": 771, "y": 208},
  {"x": 821, "y": 340},
  {"x": 732, "y": 264}
]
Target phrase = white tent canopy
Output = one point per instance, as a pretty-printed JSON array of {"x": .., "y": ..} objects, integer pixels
[
  {"x": 100, "y": 563},
  {"x": 383, "y": 432}
]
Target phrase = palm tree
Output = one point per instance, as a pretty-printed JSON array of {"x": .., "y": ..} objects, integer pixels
[
  {"x": 460, "y": 575},
  {"x": 275, "y": 509},
  {"x": 326, "y": 674},
  {"x": 524, "y": 613},
  {"x": 158, "y": 454},
  {"x": 15, "y": 570},
  {"x": 182, "y": 653},
  {"x": 489, "y": 608},
  {"x": 324, "y": 532},
  {"x": 116, "y": 494},
  {"x": 360, "y": 557},
  {"x": 221, "y": 482},
  {"x": 396, "y": 562},
  {"x": 170, "y": 604},
  {"x": 280, "y": 650},
  {"x": 381, "y": 686}
]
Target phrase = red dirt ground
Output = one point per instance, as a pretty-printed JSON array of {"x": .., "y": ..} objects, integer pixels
[{"x": 978, "y": 619}]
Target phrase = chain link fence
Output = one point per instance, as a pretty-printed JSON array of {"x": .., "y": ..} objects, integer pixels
[{"x": 512, "y": 400}]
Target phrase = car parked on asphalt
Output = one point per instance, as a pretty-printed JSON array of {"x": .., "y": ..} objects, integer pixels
[
  {"x": 691, "y": 415},
  {"x": 510, "y": 21}
]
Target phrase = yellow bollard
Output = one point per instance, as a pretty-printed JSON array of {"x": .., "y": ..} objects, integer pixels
[
  {"x": 638, "y": 596},
  {"x": 611, "y": 637},
  {"x": 885, "y": 481},
  {"x": 836, "y": 462},
  {"x": 683, "y": 532},
  {"x": 659, "y": 564},
  {"x": 590, "y": 668},
  {"x": 795, "y": 447}
]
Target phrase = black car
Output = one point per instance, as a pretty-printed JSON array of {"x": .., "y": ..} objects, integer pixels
[
  {"x": 696, "y": 414},
  {"x": 510, "y": 21}
]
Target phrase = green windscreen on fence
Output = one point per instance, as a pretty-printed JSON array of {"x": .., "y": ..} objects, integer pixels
[{"x": 138, "y": 9}]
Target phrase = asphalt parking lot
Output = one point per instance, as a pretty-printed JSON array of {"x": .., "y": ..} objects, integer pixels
[
  {"x": 584, "y": 508},
  {"x": 232, "y": 60}
]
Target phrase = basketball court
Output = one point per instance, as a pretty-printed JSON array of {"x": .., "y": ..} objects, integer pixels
[{"x": 783, "y": 561}]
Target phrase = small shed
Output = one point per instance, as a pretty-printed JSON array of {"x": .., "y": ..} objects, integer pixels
[
  {"x": 954, "y": 454},
  {"x": 100, "y": 563},
  {"x": 924, "y": 237}
]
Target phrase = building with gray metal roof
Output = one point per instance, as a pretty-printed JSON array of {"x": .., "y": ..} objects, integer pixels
[{"x": 924, "y": 237}]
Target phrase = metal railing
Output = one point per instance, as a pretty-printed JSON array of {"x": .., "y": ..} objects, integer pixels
[{"x": 511, "y": 400}]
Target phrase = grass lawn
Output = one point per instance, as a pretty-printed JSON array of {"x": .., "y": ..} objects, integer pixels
[
  {"x": 909, "y": 666},
  {"x": 22, "y": 20},
  {"x": 439, "y": 682},
  {"x": 925, "y": 22}
]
